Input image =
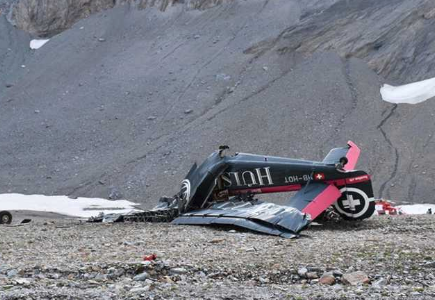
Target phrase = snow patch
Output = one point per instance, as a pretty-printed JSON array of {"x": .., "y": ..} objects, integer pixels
[
  {"x": 416, "y": 209},
  {"x": 36, "y": 44},
  {"x": 412, "y": 93},
  {"x": 80, "y": 207}
]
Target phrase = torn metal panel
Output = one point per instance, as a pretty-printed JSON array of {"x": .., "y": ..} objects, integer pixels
[{"x": 255, "y": 215}]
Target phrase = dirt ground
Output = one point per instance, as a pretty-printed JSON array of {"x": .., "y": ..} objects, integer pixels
[{"x": 69, "y": 259}]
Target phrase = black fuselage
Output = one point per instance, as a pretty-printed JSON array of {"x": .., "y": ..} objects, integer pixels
[{"x": 257, "y": 174}]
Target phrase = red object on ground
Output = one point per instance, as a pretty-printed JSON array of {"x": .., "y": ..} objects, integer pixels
[
  {"x": 150, "y": 257},
  {"x": 386, "y": 207}
]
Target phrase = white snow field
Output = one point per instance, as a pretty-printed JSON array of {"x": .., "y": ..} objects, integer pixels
[
  {"x": 412, "y": 93},
  {"x": 80, "y": 207},
  {"x": 416, "y": 209}
]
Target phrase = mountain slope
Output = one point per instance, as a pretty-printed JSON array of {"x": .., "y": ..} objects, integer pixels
[{"x": 126, "y": 100}]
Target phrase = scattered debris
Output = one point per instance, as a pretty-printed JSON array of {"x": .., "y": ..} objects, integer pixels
[
  {"x": 150, "y": 257},
  {"x": 386, "y": 207}
]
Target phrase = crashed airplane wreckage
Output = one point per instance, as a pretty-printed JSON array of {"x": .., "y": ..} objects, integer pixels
[{"x": 222, "y": 189}]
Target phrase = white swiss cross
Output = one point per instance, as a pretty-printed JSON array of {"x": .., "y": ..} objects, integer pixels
[
  {"x": 350, "y": 202},
  {"x": 320, "y": 176}
]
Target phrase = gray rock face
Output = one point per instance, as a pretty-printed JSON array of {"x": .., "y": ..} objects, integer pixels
[
  {"x": 395, "y": 37},
  {"x": 49, "y": 17},
  {"x": 114, "y": 111}
]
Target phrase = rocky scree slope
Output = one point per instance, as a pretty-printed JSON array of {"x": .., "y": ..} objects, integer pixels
[{"x": 124, "y": 101}]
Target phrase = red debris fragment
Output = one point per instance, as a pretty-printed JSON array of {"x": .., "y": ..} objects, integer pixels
[
  {"x": 150, "y": 257},
  {"x": 385, "y": 207}
]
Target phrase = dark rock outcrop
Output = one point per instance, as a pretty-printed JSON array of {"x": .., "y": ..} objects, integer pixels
[
  {"x": 395, "y": 37},
  {"x": 49, "y": 17}
]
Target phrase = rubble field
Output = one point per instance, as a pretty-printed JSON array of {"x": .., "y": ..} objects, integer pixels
[{"x": 384, "y": 257}]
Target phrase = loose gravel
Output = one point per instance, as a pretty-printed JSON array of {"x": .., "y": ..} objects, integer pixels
[{"x": 384, "y": 258}]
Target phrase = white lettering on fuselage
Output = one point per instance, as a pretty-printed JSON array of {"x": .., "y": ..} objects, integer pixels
[
  {"x": 297, "y": 178},
  {"x": 260, "y": 177}
]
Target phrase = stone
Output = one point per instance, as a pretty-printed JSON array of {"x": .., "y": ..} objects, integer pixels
[
  {"x": 223, "y": 76},
  {"x": 380, "y": 283},
  {"x": 150, "y": 118},
  {"x": 188, "y": 111},
  {"x": 12, "y": 273},
  {"x": 303, "y": 272},
  {"x": 115, "y": 194},
  {"x": 22, "y": 281},
  {"x": 430, "y": 264},
  {"x": 327, "y": 279},
  {"x": 178, "y": 271},
  {"x": 430, "y": 14},
  {"x": 312, "y": 275},
  {"x": 355, "y": 278},
  {"x": 216, "y": 241},
  {"x": 139, "y": 290},
  {"x": 263, "y": 280},
  {"x": 141, "y": 277},
  {"x": 166, "y": 279}
]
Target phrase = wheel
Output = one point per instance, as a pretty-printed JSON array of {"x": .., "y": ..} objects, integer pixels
[
  {"x": 354, "y": 204},
  {"x": 5, "y": 217},
  {"x": 184, "y": 196}
]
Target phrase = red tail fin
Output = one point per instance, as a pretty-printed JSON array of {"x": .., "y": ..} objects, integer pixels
[{"x": 352, "y": 156}]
